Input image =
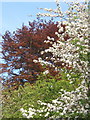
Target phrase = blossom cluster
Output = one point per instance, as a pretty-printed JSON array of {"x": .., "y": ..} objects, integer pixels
[
  {"x": 66, "y": 105},
  {"x": 73, "y": 53}
]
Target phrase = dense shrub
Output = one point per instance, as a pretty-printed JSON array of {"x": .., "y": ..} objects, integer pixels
[{"x": 46, "y": 89}]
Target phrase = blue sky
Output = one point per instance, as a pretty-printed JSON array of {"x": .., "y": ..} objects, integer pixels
[{"x": 14, "y": 14}]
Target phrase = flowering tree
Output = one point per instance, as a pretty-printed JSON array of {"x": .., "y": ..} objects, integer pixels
[{"x": 71, "y": 50}]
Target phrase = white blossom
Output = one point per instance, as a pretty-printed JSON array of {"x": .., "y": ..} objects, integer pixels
[
  {"x": 46, "y": 72},
  {"x": 69, "y": 52}
]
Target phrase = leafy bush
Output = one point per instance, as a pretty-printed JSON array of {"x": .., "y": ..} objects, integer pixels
[{"x": 46, "y": 89}]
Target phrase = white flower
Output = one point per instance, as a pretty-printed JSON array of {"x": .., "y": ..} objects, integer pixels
[
  {"x": 68, "y": 75},
  {"x": 60, "y": 29},
  {"x": 48, "y": 38},
  {"x": 31, "y": 113},
  {"x": 54, "y": 101},
  {"x": 46, "y": 114},
  {"x": 46, "y": 72},
  {"x": 22, "y": 110},
  {"x": 35, "y": 61},
  {"x": 25, "y": 115},
  {"x": 42, "y": 52}
]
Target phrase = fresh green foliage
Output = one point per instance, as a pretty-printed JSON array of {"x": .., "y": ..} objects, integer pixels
[{"x": 45, "y": 89}]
